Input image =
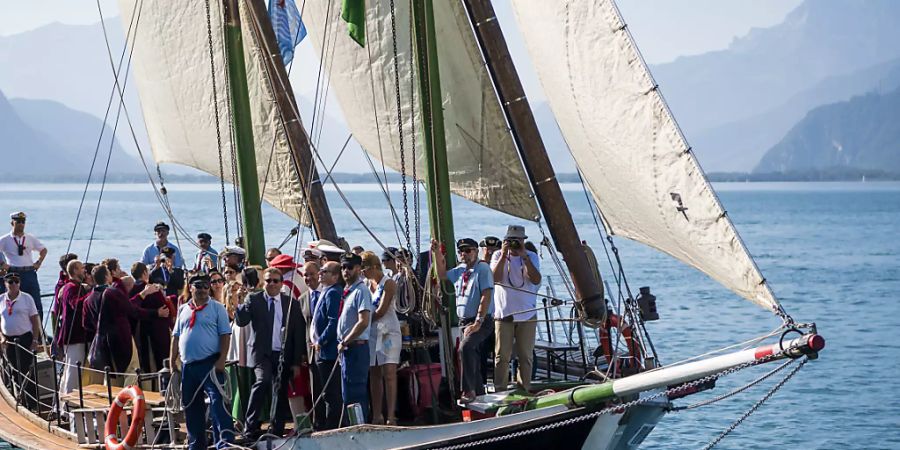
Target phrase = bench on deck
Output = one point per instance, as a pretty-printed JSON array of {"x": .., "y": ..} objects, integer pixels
[{"x": 556, "y": 352}]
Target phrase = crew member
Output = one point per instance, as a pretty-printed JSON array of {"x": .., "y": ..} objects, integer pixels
[
  {"x": 474, "y": 284},
  {"x": 353, "y": 333},
  {"x": 153, "y": 252},
  {"x": 201, "y": 337},
  {"x": 17, "y": 247},
  {"x": 207, "y": 257},
  {"x": 21, "y": 331}
]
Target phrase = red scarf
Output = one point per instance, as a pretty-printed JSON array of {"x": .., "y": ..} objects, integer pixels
[
  {"x": 11, "y": 303},
  {"x": 343, "y": 297},
  {"x": 465, "y": 281},
  {"x": 194, "y": 311}
]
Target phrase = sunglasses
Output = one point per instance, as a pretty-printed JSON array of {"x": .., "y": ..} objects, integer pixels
[
  {"x": 273, "y": 280},
  {"x": 217, "y": 281},
  {"x": 463, "y": 251},
  {"x": 19, "y": 220},
  {"x": 12, "y": 281},
  {"x": 200, "y": 285}
]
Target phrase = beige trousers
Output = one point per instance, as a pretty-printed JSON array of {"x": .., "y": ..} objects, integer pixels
[{"x": 518, "y": 336}]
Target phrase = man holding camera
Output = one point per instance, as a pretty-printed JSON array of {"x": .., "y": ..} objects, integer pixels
[{"x": 517, "y": 276}]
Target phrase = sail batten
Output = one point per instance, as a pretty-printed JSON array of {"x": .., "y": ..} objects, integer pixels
[
  {"x": 633, "y": 158},
  {"x": 172, "y": 68},
  {"x": 484, "y": 165}
]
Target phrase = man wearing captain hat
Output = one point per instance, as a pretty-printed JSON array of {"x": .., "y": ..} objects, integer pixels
[
  {"x": 207, "y": 257},
  {"x": 154, "y": 252},
  {"x": 17, "y": 248}
]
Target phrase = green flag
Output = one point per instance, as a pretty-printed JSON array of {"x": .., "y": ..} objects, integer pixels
[{"x": 354, "y": 13}]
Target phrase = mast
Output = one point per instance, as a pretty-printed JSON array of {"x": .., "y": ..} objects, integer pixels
[
  {"x": 588, "y": 289},
  {"x": 245, "y": 154},
  {"x": 302, "y": 155},
  {"x": 437, "y": 179}
]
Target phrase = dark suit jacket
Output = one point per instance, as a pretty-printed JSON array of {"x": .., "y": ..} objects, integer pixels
[
  {"x": 255, "y": 312},
  {"x": 174, "y": 281},
  {"x": 325, "y": 322}
]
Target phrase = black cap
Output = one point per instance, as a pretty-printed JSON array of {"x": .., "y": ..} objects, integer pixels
[
  {"x": 204, "y": 237},
  {"x": 351, "y": 259},
  {"x": 168, "y": 251},
  {"x": 12, "y": 275},
  {"x": 199, "y": 278},
  {"x": 490, "y": 241},
  {"x": 161, "y": 226},
  {"x": 466, "y": 243},
  {"x": 389, "y": 254}
]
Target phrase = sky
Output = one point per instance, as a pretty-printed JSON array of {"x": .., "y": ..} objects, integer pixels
[{"x": 665, "y": 29}]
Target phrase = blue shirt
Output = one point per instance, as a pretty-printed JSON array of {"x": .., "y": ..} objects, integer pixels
[
  {"x": 469, "y": 288},
  {"x": 358, "y": 299},
  {"x": 201, "y": 341},
  {"x": 152, "y": 251}
]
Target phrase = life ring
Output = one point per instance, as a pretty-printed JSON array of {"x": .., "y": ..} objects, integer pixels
[
  {"x": 627, "y": 332},
  {"x": 138, "y": 408}
]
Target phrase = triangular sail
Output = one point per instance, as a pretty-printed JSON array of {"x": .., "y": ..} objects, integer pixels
[
  {"x": 174, "y": 77},
  {"x": 484, "y": 164},
  {"x": 624, "y": 139}
]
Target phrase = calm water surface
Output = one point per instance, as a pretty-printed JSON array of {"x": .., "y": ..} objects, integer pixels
[{"x": 829, "y": 250}]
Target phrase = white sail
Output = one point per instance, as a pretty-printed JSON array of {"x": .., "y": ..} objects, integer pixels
[
  {"x": 484, "y": 165},
  {"x": 171, "y": 65},
  {"x": 634, "y": 158}
]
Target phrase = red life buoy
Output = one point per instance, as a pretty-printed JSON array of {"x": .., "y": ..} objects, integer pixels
[
  {"x": 138, "y": 408},
  {"x": 627, "y": 332}
]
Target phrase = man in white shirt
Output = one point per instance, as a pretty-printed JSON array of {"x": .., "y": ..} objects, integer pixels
[
  {"x": 17, "y": 247},
  {"x": 21, "y": 328},
  {"x": 517, "y": 276}
]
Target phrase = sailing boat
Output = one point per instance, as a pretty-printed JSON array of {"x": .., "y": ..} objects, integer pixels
[{"x": 435, "y": 92}]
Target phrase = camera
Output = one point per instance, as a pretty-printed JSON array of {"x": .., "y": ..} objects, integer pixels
[{"x": 513, "y": 244}]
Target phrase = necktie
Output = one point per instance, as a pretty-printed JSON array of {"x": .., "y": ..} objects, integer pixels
[
  {"x": 272, "y": 310},
  {"x": 194, "y": 311}
]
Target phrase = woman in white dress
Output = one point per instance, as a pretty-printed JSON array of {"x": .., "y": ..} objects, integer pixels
[{"x": 385, "y": 341}]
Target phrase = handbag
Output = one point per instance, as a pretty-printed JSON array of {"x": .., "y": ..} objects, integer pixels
[{"x": 97, "y": 358}]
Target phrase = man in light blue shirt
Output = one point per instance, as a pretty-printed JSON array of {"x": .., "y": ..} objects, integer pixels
[
  {"x": 474, "y": 284},
  {"x": 353, "y": 333},
  {"x": 153, "y": 251},
  {"x": 202, "y": 335}
]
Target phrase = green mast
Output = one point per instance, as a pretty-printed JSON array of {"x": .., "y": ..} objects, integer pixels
[
  {"x": 248, "y": 181},
  {"x": 437, "y": 179}
]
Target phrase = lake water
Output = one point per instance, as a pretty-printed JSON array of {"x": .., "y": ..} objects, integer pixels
[{"x": 829, "y": 250}]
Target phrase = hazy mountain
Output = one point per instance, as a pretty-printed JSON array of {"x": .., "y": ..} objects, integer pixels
[
  {"x": 27, "y": 151},
  {"x": 76, "y": 133},
  {"x": 862, "y": 133},
  {"x": 739, "y": 146},
  {"x": 757, "y": 72}
]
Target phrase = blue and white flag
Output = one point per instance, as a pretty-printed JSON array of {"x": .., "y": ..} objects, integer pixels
[{"x": 289, "y": 28}]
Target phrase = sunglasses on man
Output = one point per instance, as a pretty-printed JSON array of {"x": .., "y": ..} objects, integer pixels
[
  {"x": 200, "y": 285},
  {"x": 273, "y": 280},
  {"x": 12, "y": 281}
]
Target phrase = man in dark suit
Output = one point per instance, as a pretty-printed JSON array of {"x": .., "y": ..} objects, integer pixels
[
  {"x": 167, "y": 273},
  {"x": 277, "y": 330}
]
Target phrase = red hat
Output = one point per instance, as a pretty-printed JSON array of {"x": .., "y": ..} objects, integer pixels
[{"x": 283, "y": 262}]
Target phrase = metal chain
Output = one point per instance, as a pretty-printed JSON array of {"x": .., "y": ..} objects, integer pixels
[
  {"x": 625, "y": 406},
  {"x": 734, "y": 392},
  {"x": 400, "y": 128},
  {"x": 412, "y": 138},
  {"x": 756, "y": 406},
  {"x": 212, "y": 72}
]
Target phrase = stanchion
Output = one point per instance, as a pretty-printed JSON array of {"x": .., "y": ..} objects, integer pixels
[
  {"x": 80, "y": 387},
  {"x": 37, "y": 394},
  {"x": 108, "y": 384},
  {"x": 56, "y": 393}
]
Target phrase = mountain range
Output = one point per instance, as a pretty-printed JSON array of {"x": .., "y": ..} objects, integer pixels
[{"x": 734, "y": 105}]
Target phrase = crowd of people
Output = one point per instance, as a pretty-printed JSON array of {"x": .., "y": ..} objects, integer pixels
[{"x": 319, "y": 334}]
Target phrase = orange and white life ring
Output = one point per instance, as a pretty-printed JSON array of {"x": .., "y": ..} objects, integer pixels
[
  {"x": 138, "y": 408},
  {"x": 627, "y": 333}
]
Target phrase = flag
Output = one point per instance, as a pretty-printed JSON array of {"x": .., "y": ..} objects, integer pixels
[
  {"x": 288, "y": 26},
  {"x": 354, "y": 13}
]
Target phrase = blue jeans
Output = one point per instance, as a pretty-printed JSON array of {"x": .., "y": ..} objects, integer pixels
[
  {"x": 194, "y": 377},
  {"x": 355, "y": 376}
]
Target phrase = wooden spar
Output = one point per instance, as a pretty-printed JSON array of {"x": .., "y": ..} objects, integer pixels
[
  {"x": 437, "y": 177},
  {"x": 298, "y": 140},
  {"x": 245, "y": 153},
  {"x": 808, "y": 344},
  {"x": 588, "y": 288}
]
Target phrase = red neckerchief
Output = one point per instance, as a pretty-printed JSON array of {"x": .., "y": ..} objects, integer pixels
[
  {"x": 344, "y": 297},
  {"x": 465, "y": 280},
  {"x": 20, "y": 247},
  {"x": 194, "y": 311},
  {"x": 10, "y": 304}
]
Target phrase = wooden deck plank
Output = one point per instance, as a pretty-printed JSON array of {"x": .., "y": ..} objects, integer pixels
[{"x": 22, "y": 433}]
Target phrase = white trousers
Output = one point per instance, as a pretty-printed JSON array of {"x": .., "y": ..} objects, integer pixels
[{"x": 74, "y": 355}]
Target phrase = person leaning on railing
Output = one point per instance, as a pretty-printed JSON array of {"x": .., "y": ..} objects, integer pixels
[{"x": 20, "y": 326}]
